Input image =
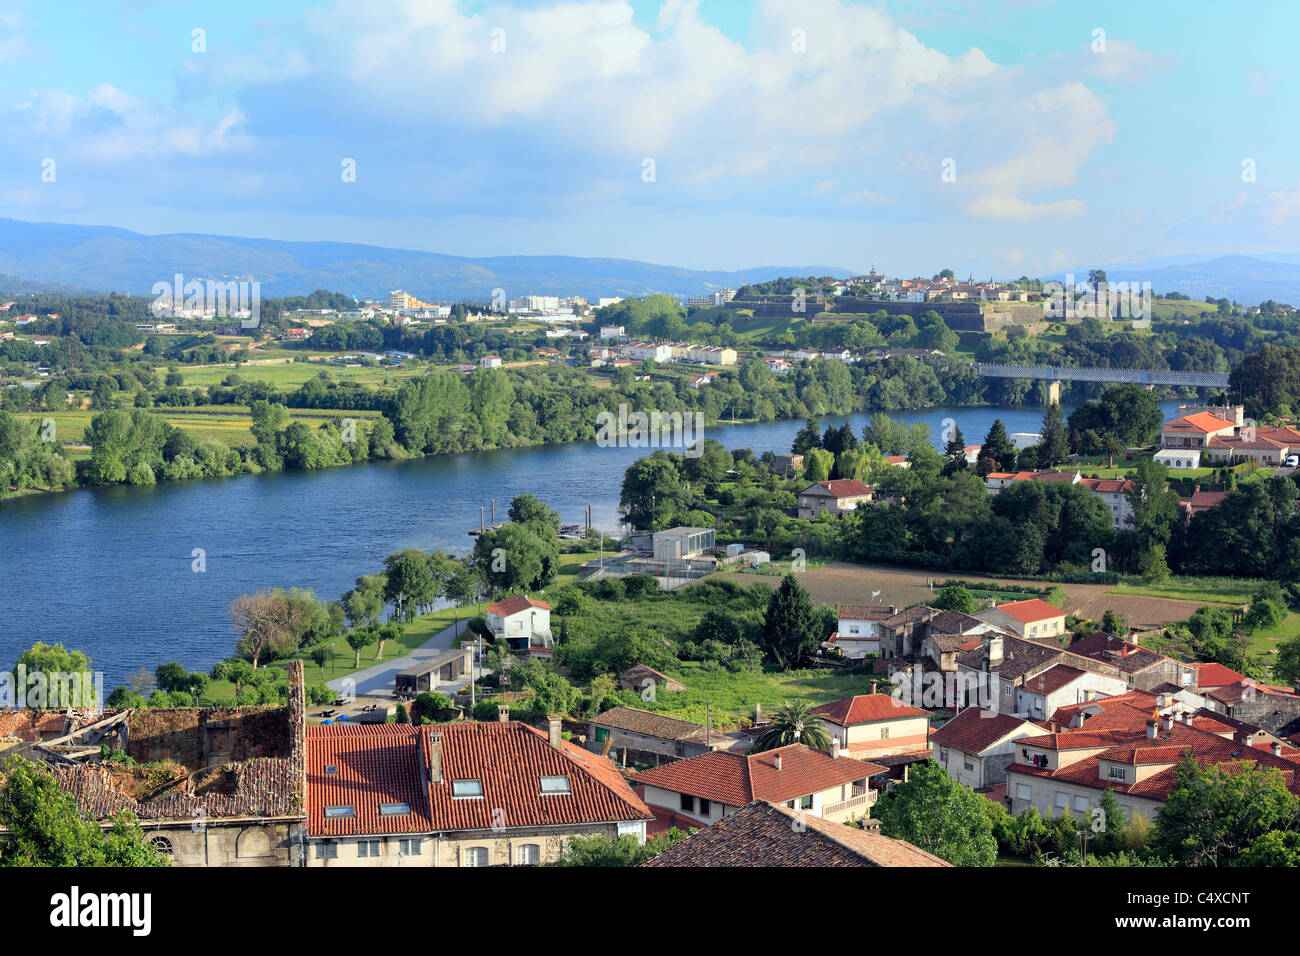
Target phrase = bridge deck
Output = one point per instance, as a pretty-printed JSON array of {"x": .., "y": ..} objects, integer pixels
[{"x": 1113, "y": 375}]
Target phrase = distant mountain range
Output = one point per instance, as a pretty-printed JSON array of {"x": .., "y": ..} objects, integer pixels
[
  {"x": 60, "y": 257},
  {"x": 110, "y": 259},
  {"x": 1246, "y": 279}
]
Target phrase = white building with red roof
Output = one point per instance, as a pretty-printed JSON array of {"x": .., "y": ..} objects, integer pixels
[
  {"x": 875, "y": 725},
  {"x": 976, "y": 746},
  {"x": 1034, "y": 619},
  {"x": 1069, "y": 772},
  {"x": 702, "y": 790},
  {"x": 521, "y": 622},
  {"x": 1040, "y": 696},
  {"x": 461, "y": 794},
  {"x": 837, "y": 496}
]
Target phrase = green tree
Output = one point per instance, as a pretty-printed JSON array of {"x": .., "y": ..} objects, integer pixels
[
  {"x": 817, "y": 464},
  {"x": 652, "y": 491},
  {"x": 1216, "y": 812},
  {"x": 793, "y": 723},
  {"x": 1053, "y": 446},
  {"x": 359, "y": 638},
  {"x": 617, "y": 851},
  {"x": 365, "y": 603},
  {"x": 792, "y": 627},
  {"x": 997, "y": 453},
  {"x": 955, "y": 597},
  {"x": 62, "y": 680},
  {"x": 939, "y": 815},
  {"x": 46, "y": 828}
]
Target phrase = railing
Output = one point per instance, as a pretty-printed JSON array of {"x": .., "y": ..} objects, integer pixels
[
  {"x": 1131, "y": 376},
  {"x": 862, "y": 800}
]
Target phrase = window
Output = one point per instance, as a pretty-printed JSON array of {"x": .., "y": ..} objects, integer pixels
[
  {"x": 704, "y": 807},
  {"x": 332, "y": 812},
  {"x": 1023, "y": 792},
  {"x": 968, "y": 765},
  {"x": 529, "y": 854},
  {"x": 1007, "y": 691},
  {"x": 476, "y": 856},
  {"x": 1115, "y": 773},
  {"x": 806, "y": 803},
  {"x": 468, "y": 789},
  {"x": 884, "y": 733},
  {"x": 331, "y": 769},
  {"x": 1062, "y": 800},
  {"x": 161, "y": 845},
  {"x": 368, "y": 848},
  {"x": 943, "y": 754},
  {"x": 411, "y": 847},
  {"x": 556, "y": 784},
  {"x": 688, "y": 803},
  {"x": 1081, "y": 804},
  {"x": 394, "y": 809},
  {"x": 327, "y": 851}
]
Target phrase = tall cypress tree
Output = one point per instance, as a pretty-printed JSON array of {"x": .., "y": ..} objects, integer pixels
[
  {"x": 1053, "y": 447},
  {"x": 792, "y": 627},
  {"x": 955, "y": 453},
  {"x": 998, "y": 451}
]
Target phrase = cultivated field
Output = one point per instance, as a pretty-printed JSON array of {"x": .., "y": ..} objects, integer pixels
[{"x": 843, "y": 583}]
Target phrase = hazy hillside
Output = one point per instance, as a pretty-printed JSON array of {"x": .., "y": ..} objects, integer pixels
[
  {"x": 103, "y": 257},
  {"x": 1247, "y": 279}
]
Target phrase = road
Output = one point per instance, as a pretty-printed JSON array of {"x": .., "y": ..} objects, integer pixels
[{"x": 380, "y": 678}]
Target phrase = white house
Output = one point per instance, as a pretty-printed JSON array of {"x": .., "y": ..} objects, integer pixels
[
  {"x": 858, "y": 633},
  {"x": 1034, "y": 620},
  {"x": 521, "y": 622}
]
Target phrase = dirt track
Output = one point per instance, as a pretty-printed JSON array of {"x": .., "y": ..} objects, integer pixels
[{"x": 842, "y": 583}]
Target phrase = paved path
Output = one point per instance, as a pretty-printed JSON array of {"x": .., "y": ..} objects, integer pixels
[{"x": 380, "y": 678}]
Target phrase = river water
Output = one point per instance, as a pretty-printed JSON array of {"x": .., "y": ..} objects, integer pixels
[{"x": 111, "y": 571}]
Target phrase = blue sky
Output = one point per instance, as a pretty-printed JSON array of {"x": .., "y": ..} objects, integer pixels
[{"x": 781, "y": 132}]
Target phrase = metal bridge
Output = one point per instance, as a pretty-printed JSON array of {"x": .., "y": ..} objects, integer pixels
[{"x": 1114, "y": 375}]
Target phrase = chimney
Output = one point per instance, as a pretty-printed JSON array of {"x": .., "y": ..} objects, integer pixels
[
  {"x": 1169, "y": 722},
  {"x": 553, "y": 732},
  {"x": 435, "y": 758},
  {"x": 503, "y": 713},
  {"x": 993, "y": 649},
  {"x": 892, "y": 610},
  {"x": 1277, "y": 749},
  {"x": 1151, "y": 730},
  {"x": 835, "y": 748},
  {"x": 778, "y": 761}
]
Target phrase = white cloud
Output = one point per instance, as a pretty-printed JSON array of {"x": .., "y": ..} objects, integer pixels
[{"x": 1281, "y": 206}]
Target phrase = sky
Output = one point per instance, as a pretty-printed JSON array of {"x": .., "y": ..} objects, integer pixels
[{"x": 994, "y": 138}]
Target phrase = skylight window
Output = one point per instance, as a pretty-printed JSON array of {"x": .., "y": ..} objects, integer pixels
[
  {"x": 331, "y": 769},
  {"x": 556, "y": 784},
  {"x": 340, "y": 811},
  {"x": 467, "y": 788},
  {"x": 394, "y": 809}
]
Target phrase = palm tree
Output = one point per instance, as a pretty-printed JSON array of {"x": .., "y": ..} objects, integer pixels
[
  {"x": 1112, "y": 445},
  {"x": 793, "y": 723}
]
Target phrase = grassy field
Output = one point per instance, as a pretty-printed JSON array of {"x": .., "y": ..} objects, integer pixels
[
  {"x": 290, "y": 375},
  {"x": 228, "y": 424}
]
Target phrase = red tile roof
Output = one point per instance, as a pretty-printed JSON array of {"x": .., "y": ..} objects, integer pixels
[
  {"x": 510, "y": 758},
  {"x": 1216, "y": 675},
  {"x": 974, "y": 730},
  {"x": 1203, "y": 422},
  {"x": 843, "y": 487},
  {"x": 1053, "y": 679},
  {"x": 866, "y": 709},
  {"x": 375, "y": 764},
  {"x": 1031, "y": 611},
  {"x": 514, "y": 604},
  {"x": 735, "y": 779},
  {"x": 762, "y": 834}
]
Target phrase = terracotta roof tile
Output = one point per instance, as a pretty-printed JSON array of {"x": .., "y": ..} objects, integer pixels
[
  {"x": 761, "y": 834},
  {"x": 866, "y": 708}
]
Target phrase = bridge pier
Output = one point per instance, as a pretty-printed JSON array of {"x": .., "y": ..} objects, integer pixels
[{"x": 1054, "y": 393}]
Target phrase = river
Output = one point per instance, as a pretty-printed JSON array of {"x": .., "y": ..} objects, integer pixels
[{"x": 110, "y": 571}]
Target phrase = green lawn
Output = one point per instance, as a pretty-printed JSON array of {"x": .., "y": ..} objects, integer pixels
[{"x": 228, "y": 424}]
